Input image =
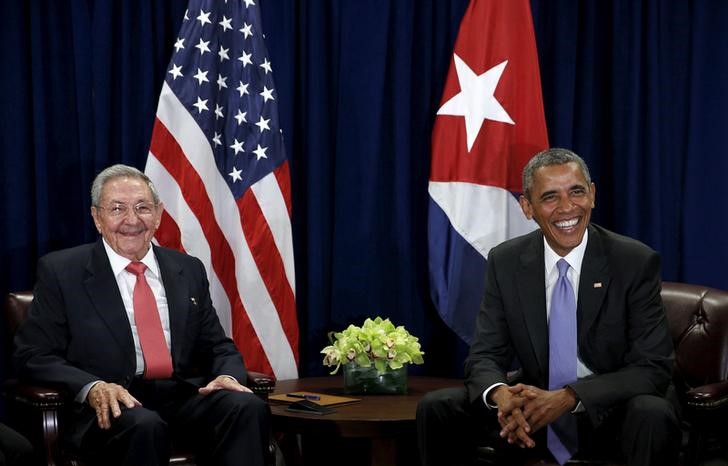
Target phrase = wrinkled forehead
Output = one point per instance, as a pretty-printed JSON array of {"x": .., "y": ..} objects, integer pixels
[
  {"x": 126, "y": 189},
  {"x": 561, "y": 172}
]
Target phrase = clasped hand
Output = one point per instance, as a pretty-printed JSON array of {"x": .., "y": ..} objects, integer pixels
[
  {"x": 524, "y": 409},
  {"x": 106, "y": 399}
]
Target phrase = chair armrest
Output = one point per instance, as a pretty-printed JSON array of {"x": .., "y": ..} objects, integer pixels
[
  {"x": 43, "y": 397},
  {"x": 707, "y": 397},
  {"x": 261, "y": 384},
  {"x": 36, "y": 396}
]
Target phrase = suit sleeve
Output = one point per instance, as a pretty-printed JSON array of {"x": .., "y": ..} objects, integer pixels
[
  {"x": 491, "y": 352},
  {"x": 42, "y": 340},
  {"x": 646, "y": 364}
]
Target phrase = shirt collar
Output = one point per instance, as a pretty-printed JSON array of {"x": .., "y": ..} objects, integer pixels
[
  {"x": 574, "y": 257},
  {"x": 119, "y": 263}
]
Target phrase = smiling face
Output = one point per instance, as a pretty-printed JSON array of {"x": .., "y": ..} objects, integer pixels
[
  {"x": 560, "y": 201},
  {"x": 129, "y": 234}
]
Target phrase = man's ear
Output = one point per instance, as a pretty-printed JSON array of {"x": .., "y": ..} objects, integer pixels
[
  {"x": 94, "y": 215},
  {"x": 593, "y": 194},
  {"x": 160, "y": 208},
  {"x": 526, "y": 206}
]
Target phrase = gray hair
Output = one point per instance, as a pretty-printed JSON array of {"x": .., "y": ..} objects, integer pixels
[
  {"x": 548, "y": 157},
  {"x": 119, "y": 171}
]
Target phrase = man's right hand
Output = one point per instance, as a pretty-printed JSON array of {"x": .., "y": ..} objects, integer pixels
[
  {"x": 510, "y": 401},
  {"x": 104, "y": 398}
]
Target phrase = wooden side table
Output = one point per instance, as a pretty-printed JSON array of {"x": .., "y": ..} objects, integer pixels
[{"x": 383, "y": 419}]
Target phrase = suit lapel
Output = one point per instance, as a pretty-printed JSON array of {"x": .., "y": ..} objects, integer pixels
[
  {"x": 532, "y": 293},
  {"x": 593, "y": 282},
  {"x": 103, "y": 291},
  {"x": 175, "y": 286}
]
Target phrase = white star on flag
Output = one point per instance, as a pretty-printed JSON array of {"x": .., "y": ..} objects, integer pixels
[
  {"x": 225, "y": 23},
  {"x": 247, "y": 30},
  {"x": 204, "y": 18},
  {"x": 263, "y": 124},
  {"x": 176, "y": 71},
  {"x": 221, "y": 81},
  {"x": 267, "y": 94},
  {"x": 203, "y": 46},
  {"x": 235, "y": 174},
  {"x": 260, "y": 152},
  {"x": 237, "y": 146},
  {"x": 242, "y": 88},
  {"x": 476, "y": 101},
  {"x": 201, "y": 76},
  {"x": 245, "y": 58},
  {"x": 223, "y": 54},
  {"x": 201, "y": 105}
]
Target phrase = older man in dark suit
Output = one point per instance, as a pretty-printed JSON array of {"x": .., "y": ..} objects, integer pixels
[
  {"x": 128, "y": 329},
  {"x": 579, "y": 308}
]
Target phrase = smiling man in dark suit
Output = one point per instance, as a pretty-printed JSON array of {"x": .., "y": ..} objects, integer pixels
[
  {"x": 579, "y": 308},
  {"x": 128, "y": 330}
]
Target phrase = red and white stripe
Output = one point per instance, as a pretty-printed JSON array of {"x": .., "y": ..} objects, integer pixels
[{"x": 245, "y": 244}]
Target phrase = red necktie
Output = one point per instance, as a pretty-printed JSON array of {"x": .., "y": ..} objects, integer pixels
[{"x": 157, "y": 360}]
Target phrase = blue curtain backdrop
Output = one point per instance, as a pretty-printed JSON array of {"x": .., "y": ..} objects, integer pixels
[{"x": 636, "y": 87}]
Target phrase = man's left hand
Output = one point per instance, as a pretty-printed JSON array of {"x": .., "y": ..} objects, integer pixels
[
  {"x": 514, "y": 426},
  {"x": 223, "y": 382}
]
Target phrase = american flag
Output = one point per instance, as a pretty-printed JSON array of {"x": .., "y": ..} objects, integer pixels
[{"x": 218, "y": 161}]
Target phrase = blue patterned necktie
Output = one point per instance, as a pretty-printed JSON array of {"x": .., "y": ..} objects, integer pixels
[{"x": 562, "y": 433}]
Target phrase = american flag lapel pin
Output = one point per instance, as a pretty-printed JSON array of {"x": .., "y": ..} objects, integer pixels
[{"x": 597, "y": 284}]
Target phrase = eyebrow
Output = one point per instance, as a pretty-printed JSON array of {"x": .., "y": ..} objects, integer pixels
[
  {"x": 554, "y": 191},
  {"x": 547, "y": 193},
  {"x": 139, "y": 199}
]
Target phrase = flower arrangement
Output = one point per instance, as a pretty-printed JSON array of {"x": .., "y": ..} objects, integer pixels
[{"x": 377, "y": 342}]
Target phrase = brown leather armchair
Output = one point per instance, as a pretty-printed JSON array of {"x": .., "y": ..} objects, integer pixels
[
  {"x": 698, "y": 318},
  {"x": 38, "y": 411},
  {"x": 698, "y": 321}
]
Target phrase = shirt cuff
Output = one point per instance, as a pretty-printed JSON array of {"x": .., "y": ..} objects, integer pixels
[
  {"x": 487, "y": 391},
  {"x": 83, "y": 394}
]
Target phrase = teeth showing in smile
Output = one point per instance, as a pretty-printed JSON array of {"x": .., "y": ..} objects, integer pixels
[{"x": 567, "y": 223}]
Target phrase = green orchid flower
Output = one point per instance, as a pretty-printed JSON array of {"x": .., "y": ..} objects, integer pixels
[{"x": 377, "y": 342}]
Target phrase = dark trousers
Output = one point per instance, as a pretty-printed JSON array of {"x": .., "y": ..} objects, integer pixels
[
  {"x": 15, "y": 450},
  {"x": 643, "y": 432},
  {"x": 222, "y": 428}
]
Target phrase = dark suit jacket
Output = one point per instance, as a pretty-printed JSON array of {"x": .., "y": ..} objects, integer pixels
[
  {"x": 623, "y": 335},
  {"x": 77, "y": 330}
]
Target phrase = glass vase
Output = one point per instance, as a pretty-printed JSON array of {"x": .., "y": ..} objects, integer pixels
[{"x": 369, "y": 381}]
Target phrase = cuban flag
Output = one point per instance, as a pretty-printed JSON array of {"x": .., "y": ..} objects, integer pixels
[{"x": 489, "y": 124}]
